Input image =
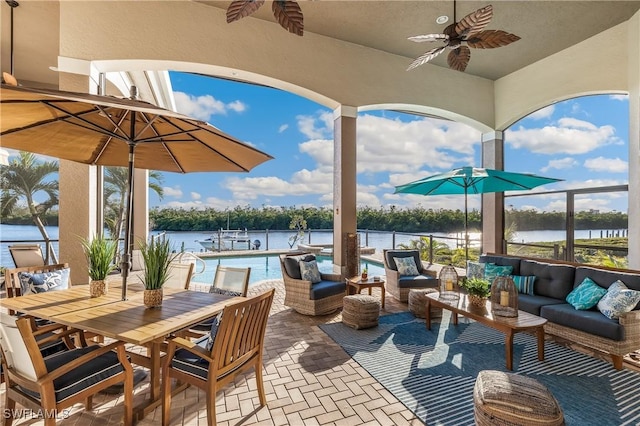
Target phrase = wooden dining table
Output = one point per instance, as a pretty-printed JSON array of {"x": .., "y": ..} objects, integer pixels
[{"x": 126, "y": 320}]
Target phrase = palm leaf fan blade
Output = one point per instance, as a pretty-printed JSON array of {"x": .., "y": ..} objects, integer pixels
[
  {"x": 475, "y": 21},
  {"x": 429, "y": 37},
  {"x": 289, "y": 16},
  {"x": 459, "y": 58},
  {"x": 426, "y": 57},
  {"x": 242, "y": 8},
  {"x": 490, "y": 39}
]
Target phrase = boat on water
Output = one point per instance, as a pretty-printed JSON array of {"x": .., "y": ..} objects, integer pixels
[{"x": 229, "y": 239}]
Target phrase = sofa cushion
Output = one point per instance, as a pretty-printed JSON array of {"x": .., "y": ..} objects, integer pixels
[
  {"x": 326, "y": 288},
  {"x": 532, "y": 304},
  {"x": 524, "y": 284},
  {"x": 503, "y": 261},
  {"x": 309, "y": 271},
  {"x": 618, "y": 300},
  {"x": 418, "y": 281},
  {"x": 475, "y": 269},
  {"x": 491, "y": 271},
  {"x": 390, "y": 254},
  {"x": 586, "y": 295},
  {"x": 605, "y": 278},
  {"x": 555, "y": 281},
  {"x": 292, "y": 266},
  {"x": 406, "y": 266},
  {"x": 591, "y": 321}
]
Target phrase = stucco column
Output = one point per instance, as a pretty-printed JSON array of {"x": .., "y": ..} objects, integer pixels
[
  {"x": 77, "y": 207},
  {"x": 634, "y": 142},
  {"x": 492, "y": 203},
  {"x": 344, "y": 181}
]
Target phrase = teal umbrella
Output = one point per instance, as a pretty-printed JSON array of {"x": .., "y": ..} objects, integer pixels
[{"x": 473, "y": 180}]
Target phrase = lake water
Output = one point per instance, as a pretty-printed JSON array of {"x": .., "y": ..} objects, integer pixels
[{"x": 268, "y": 267}]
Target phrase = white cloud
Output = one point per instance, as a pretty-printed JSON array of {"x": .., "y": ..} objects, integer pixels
[
  {"x": 174, "y": 192},
  {"x": 195, "y": 196},
  {"x": 569, "y": 136},
  {"x": 203, "y": 107},
  {"x": 282, "y": 128},
  {"x": 610, "y": 165},
  {"x": 545, "y": 112},
  {"x": 316, "y": 127},
  {"x": 619, "y": 97},
  {"x": 560, "y": 164}
]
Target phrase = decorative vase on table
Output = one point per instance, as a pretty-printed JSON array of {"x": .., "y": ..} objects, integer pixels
[
  {"x": 477, "y": 300},
  {"x": 100, "y": 253},
  {"x": 157, "y": 257}
]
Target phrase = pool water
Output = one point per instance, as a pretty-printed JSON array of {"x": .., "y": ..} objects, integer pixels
[{"x": 268, "y": 267}]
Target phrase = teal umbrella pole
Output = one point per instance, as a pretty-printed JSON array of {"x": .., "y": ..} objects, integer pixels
[{"x": 466, "y": 222}]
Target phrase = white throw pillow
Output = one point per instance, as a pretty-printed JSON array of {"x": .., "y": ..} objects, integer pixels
[
  {"x": 309, "y": 271},
  {"x": 618, "y": 300},
  {"x": 406, "y": 266}
]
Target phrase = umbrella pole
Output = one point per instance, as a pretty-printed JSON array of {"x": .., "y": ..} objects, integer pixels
[
  {"x": 126, "y": 259},
  {"x": 466, "y": 234}
]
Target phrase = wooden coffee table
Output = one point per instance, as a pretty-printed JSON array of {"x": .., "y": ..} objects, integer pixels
[
  {"x": 359, "y": 284},
  {"x": 509, "y": 326}
]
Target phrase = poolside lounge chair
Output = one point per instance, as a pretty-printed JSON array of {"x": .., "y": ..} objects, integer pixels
[{"x": 26, "y": 255}]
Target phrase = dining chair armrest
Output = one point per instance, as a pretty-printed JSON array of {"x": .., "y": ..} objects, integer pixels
[
  {"x": 60, "y": 371},
  {"x": 179, "y": 342}
]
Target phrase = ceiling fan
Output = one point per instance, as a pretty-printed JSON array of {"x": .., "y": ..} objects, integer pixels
[
  {"x": 470, "y": 31},
  {"x": 287, "y": 13}
]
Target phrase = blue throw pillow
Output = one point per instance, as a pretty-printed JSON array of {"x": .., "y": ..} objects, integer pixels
[
  {"x": 309, "y": 271},
  {"x": 406, "y": 266},
  {"x": 524, "y": 283},
  {"x": 618, "y": 300},
  {"x": 475, "y": 269},
  {"x": 31, "y": 283},
  {"x": 492, "y": 271},
  {"x": 586, "y": 295}
]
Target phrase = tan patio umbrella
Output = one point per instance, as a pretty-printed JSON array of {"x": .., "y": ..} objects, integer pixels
[{"x": 110, "y": 131}]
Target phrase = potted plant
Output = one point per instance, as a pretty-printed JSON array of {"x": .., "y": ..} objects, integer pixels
[
  {"x": 478, "y": 290},
  {"x": 157, "y": 257},
  {"x": 100, "y": 253},
  {"x": 365, "y": 274}
]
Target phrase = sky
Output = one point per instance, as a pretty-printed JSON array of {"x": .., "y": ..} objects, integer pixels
[{"x": 582, "y": 141}]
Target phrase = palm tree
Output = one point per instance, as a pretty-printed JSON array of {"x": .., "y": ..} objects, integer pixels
[
  {"x": 116, "y": 183},
  {"x": 22, "y": 179}
]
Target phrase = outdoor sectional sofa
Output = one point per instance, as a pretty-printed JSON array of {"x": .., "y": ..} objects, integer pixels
[{"x": 590, "y": 328}]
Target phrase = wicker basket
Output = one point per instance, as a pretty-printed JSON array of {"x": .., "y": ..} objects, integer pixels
[
  {"x": 153, "y": 298},
  {"x": 476, "y": 300},
  {"x": 98, "y": 288}
]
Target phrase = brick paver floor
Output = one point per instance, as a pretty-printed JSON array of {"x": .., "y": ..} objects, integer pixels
[{"x": 308, "y": 380}]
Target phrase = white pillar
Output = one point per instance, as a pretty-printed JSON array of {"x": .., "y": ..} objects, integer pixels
[
  {"x": 344, "y": 181},
  {"x": 493, "y": 203},
  {"x": 634, "y": 142}
]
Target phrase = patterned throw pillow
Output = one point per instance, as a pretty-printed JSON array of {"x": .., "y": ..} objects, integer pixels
[
  {"x": 586, "y": 295},
  {"x": 475, "y": 269},
  {"x": 406, "y": 266},
  {"x": 618, "y": 300},
  {"x": 224, "y": 292},
  {"x": 31, "y": 283},
  {"x": 214, "y": 331},
  {"x": 491, "y": 271},
  {"x": 309, "y": 271},
  {"x": 524, "y": 283}
]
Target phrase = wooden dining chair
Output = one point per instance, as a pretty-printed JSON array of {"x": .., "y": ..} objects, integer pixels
[
  {"x": 179, "y": 275},
  {"x": 49, "y": 385},
  {"x": 230, "y": 280},
  {"x": 212, "y": 363},
  {"x": 26, "y": 255}
]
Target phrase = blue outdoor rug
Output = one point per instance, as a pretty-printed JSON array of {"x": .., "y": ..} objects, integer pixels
[{"x": 433, "y": 372}]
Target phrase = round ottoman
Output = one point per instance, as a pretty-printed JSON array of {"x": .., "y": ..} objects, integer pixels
[
  {"x": 507, "y": 399},
  {"x": 360, "y": 311},
  {"x": 418, "y": 303}
]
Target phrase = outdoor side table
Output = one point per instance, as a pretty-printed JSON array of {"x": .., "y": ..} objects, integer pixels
[{"x": 358, "y": 284}]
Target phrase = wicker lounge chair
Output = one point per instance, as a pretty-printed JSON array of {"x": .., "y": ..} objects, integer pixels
[{"x": 399, "y": 285}]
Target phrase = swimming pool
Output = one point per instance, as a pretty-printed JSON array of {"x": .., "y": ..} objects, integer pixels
[{"x": 268, "y": 267}]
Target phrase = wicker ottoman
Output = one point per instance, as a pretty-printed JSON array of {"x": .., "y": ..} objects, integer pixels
[
  {"x": 418, "y": 302},
  {"x": 360, "y": 311},
  {"x": 508, "y": 399}
]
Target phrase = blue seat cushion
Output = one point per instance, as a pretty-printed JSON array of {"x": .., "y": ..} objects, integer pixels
[
  {"x": 190, "y": 363},
  {"x": 418, "y": 281},
  {"x": 326, "y": 288},
  {"x": 533, "y": 304},
  {"x": 552, "y": 280},
  {"x": 591, "y": 321},
  {"x": 88, "y": 374}
]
